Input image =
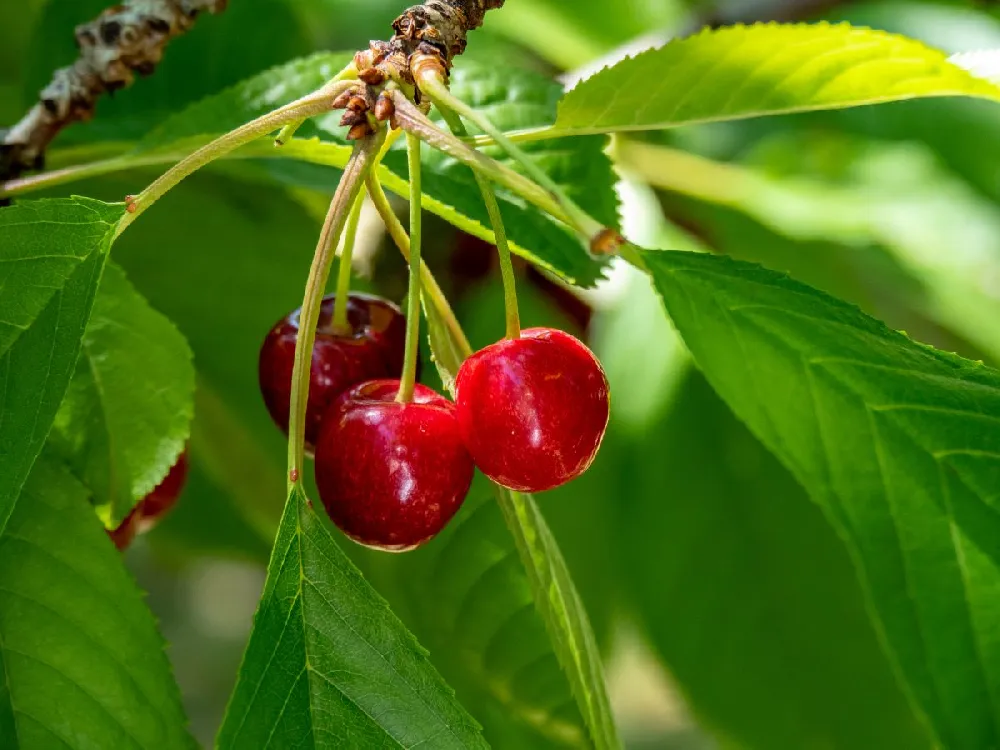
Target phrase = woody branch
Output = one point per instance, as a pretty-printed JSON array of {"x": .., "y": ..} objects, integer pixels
[{"x": 125, "y": 40}]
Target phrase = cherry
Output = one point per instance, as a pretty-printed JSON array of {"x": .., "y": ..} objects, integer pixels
[
  {"x": 373, "y": 348},
  {"x": 152, "y": 508},
  {"x": 533, "y": 410},
  {"x": 391, "y": 475}
]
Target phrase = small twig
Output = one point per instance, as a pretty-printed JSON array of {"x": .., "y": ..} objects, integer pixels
[{"x": 124, "y": 40}]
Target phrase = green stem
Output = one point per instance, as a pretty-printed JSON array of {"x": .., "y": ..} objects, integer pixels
[
  {"x": 511, "y": 313},
  {"x": 412, "y": 120},
  {"x": 339, "y": 322},
  {"x": 308, "y": 106},
  {"x": 355, "y": 172},
  {"x": 408, "y": 381},
  {"x": 431, "y": 289},
  {"x": 439, "y": 93}
]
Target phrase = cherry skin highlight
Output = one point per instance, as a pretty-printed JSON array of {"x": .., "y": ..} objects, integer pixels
[
  {"x": 373, "y": 347},
  {"x": 533, "y": 410},
  {"x": 391, "y": 475},
  {"x": 151, "y": 509}
]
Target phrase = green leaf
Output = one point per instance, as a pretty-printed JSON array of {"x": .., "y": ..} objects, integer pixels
[
  {"x": 83, "y": 664},
  {"x": 555, "y": 596},
  {"x": 898, "y": 443},
  {"x": 328, "y": 665},
  {"x": 467, "y": 598},
  {"x": 127, "y": 414},
  {"x": 226, "y": 110},
  {"x": 770, "y": 69},
  {"x": 41, "y": 244},
  {"x": 36, "y": 369},
  {"x": 513, "y": 99},
  {"x": 745, "y": 590}
]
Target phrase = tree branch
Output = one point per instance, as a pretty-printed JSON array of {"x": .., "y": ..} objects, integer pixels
[
  {"x": 124, "y": 40},
  {"x": 442, "y": 24},
  {"x": 431, "y": 35}
]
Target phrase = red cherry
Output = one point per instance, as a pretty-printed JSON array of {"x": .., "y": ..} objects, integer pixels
[
  {"x": 373, "y": 348},
  {"x": 391, "y": 475},
  {"x": 151, "y": 509},
  {"x": 533, "y": 410}
]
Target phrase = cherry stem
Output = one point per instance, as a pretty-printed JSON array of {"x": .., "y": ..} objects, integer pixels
[
  {"x": 347, "y": 193},
  {"x": 340, "y": 324},
  {"x": 408, "y": 382},
  {"x": 431, "y": 288},
  {"x": 412, "y": 120},
  {"x": 437, "y": 91},
  {"x": 308, "y": 106},
  {"x": 511, "y": 313}
]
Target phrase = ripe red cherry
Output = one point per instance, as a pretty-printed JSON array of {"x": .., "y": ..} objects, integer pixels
[
  {"x": 533, "y": 410},
  {"x": 391, "y": 475},
  {"x": 152, "y": 508},
  {"x": 373, "y": 348}
]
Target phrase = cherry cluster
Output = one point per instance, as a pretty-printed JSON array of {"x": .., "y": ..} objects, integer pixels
[{"x": 529, "y": 412}]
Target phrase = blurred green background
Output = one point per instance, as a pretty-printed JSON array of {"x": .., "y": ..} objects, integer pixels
[{"x": 727, "y": 609}]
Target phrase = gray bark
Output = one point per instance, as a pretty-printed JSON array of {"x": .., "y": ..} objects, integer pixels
[{"x": 123, "y": 41}]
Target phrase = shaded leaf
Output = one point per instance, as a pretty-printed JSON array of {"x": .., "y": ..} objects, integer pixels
[
  {"x": 745, "y": 590},
  {"x": 766, "y": 69},
  {"x": 328, "y": 665},
  {"x": 127, "y": 414},
  {"x": 467, "y": 598},
  {"x": 36, "y": 370},
  {"x": 897, "y": 442},
  {"x": 84, "y": 666}
]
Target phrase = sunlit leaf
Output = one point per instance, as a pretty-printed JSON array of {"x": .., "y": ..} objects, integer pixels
[{"x": 766, "y": 69}]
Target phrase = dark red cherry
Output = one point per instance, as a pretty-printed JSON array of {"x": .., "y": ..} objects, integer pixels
[
  {"x": 152, "y": 508},
  {"x": 533, "y": 410},
  {"x": 372, "y": 348},
  {"x": 391, "y": 475}
]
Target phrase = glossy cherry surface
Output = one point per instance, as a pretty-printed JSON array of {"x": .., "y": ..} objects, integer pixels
[
  {"x": 533, "y": 410},
  {"x": 372, "y": 348},
  {"x": 391, "y": 475},
  {"x": 152, "y": 508}
]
